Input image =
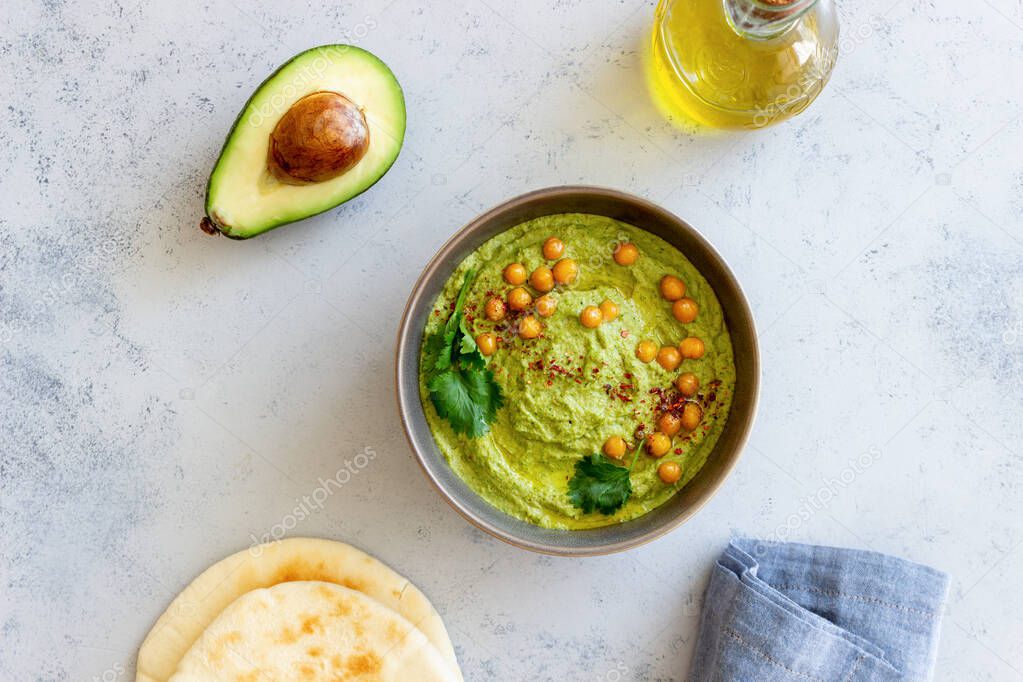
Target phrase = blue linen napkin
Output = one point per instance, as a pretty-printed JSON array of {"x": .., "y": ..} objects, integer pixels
[{"x": 788, "y": 611}]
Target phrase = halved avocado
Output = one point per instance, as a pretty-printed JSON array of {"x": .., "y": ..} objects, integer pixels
[{"x": 320, "y": 130}]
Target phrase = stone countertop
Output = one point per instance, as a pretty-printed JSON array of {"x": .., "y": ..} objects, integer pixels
[{"x": 168, "y": 397}]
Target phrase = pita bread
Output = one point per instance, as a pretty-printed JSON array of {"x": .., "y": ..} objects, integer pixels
[
  {"x": 278, "y": 562},
  {"x": 313, "y": 631}
]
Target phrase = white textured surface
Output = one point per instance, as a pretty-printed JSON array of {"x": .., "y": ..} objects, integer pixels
[{"x": 167, "y": 396}]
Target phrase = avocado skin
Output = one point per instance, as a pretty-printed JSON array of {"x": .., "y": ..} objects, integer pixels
[{"x": 209, "y": 223}]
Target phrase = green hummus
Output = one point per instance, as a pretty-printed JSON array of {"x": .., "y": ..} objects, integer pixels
[{"x": 570, "y": 389}]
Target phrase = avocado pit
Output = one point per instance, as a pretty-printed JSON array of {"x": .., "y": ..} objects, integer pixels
[{"x": 321, "y": 136}]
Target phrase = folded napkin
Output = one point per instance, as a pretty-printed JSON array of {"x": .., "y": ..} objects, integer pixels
[{"x": 787, "y": 611}]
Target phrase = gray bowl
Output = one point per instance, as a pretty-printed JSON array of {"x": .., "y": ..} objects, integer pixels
[{"x": 644, "y": 215}]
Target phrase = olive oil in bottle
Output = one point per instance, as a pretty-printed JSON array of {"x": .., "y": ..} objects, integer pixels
[{"x": 741, "y": 63}]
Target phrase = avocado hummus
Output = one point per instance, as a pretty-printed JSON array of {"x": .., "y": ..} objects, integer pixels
[{"x": 570, "y": 389}]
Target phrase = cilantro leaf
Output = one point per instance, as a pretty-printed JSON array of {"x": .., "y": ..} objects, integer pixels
[
  {"x": 444, "y": 341},
  {"x": 468, "y": 352},
  {"x": 461, "y": 388},
  {"x": 444, "y": 348},
  {"x": 468, "y": 399},
  {"x": 433, "y": 353},
  {"x": 599, "y": 484}
]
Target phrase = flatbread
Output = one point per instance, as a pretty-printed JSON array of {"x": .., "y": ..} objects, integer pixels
[
  {"x": 278, "y": 562},
  {"x": 311, "y": 631}
]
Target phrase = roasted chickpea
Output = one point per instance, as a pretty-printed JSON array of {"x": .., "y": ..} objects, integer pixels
[
  {"x": 515, "y": 274},
  {"x": 542, "y": 279},
  {"x": 672, "y": 288},
  {"x": 495, "y": 309},
  {"x": 669, "y": 424},
  {"x": 658, "y": 444},
  {"x": 565, "y": 271},
  {"x": 685, "y": 310},
  {"x": 669, "y": 358},
  {"x": 646, "y": 350},
  {"x": 487, "y": 343},
  {"x": 609, "y": 309},
  {"x": 687, "y": 384},
  {"x": 529, "y": 327},
  {"x": 545, "y": 306},
  {"x": 615, "y": 447},
  {"x": 519, "y": 299},
  {"x": 553, "y": 248},
  {"x": 692, "y": 415},
  {"x": 669, "y": 472},
  {"x": 626, "y": 254},
  {"x": 692, "y": 348},
  {"x": 591, "y": 317}
]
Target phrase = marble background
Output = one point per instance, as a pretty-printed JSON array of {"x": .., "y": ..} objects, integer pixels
[{"x": 169, "y": 396}]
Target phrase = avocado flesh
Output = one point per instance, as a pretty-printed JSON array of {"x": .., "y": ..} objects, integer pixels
[{"x": 243, "y": 197}]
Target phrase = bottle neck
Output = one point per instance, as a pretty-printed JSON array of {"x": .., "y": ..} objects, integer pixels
[{"x": 764, "y": 19}]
